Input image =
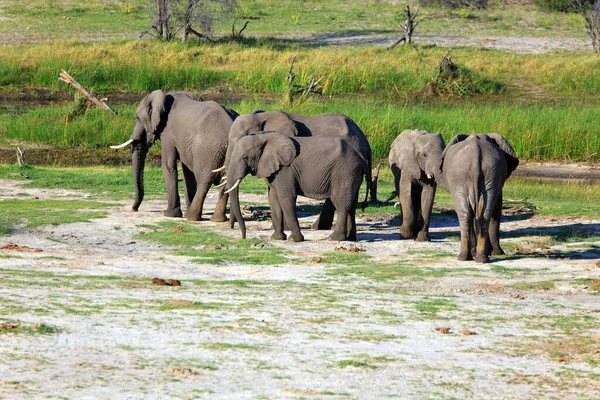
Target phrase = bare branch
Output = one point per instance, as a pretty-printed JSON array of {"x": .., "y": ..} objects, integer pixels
[{"x": 65, "y": 77}]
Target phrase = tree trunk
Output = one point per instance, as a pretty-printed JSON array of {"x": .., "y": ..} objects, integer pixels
[{"x": 162, "y": 22}]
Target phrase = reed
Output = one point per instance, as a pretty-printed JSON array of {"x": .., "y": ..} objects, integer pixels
[{"x": 537, "y": 132}]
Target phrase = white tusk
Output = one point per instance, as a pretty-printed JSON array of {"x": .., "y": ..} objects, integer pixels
[
  {"x": 127, "y": 143},
  {"x": 429, "y": 176},
  {"x": 237, "y": 183},
  {"x": 218, "y": 169},
  {"x": 222, "y": 184}
]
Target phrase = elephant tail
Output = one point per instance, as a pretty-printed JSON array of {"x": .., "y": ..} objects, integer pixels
[{"x": 369, "y": 183}]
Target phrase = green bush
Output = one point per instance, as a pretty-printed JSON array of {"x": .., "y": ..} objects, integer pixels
[{"x": 558, "y": 5}]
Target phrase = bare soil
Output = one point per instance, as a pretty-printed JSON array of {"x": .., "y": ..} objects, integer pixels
[{"x": 524, "y": 326}]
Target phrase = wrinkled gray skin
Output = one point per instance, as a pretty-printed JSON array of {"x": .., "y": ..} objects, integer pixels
[
  {"x": 415, "y": 160},
  {"x": 192, "y": 131},
  {"x": 474, "y": 169},
  {"x": 328, "y": 124},
  {"x": 315, "y": 167}
]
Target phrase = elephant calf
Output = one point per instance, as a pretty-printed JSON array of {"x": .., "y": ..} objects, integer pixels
[
  {"x": 474, "y": 170},
  {"x": 415, "y": 160},
  {"x": 315, "y": 167}
]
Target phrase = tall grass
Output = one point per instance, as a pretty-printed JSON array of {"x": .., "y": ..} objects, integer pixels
[
  {"x": 262, "y": 67},
  {"x": 551, "y": 132}
]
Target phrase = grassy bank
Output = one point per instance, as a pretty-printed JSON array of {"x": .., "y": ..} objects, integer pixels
[
  {"x": 541, "y": 132},
  {"x": 261, "y": 67}
]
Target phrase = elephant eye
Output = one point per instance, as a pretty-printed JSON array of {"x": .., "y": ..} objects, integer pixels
[{"x": 424, "y": 155}]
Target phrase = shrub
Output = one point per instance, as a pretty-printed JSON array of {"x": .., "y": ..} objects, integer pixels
[
  {"x": 558, "y": 5},
  {"x": 454, "y": 4}
]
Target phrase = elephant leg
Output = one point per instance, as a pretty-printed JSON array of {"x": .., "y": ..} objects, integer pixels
[
  {"x": 189, "y": 184},
  {"x": 427, "y": 197},
  {"x": 287, "y": 201},
  {"x": 195, "y": 211},
  {"x": 325, "y": 220},
  {"x": 219, "y": 213},
  {"x": 351, "y": 222},
  {"x": 345, "y": 227},
  {"x": 482, "y": 238},
  {"x": 494, "y": 230},
  {"x": 465, "y": 220},
  {"x": 169, "y": 168},
  {"x": 276, "y": 216},
  {"x": 409, "y": 216}
]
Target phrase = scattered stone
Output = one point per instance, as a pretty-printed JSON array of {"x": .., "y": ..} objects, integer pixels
[
  {"x": 16, "y": 247},
  {"x": 8, "y": 327},
  {"x": 444, "y": 331},
  {"x": 162, "y": 282},
  {"x": 349, "y": 249},
  {"x": 467, "y": 332},
  {"x": 316, "y": 260},
  {"x": 598, "y": 264},
  {"x": 178, "y": 228},
  {"x": 178, "y": 370}
]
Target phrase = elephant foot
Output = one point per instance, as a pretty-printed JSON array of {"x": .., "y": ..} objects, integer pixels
[
  {"x": 465, "y": 256},
  {"x": 423, "y": 236},
  {"x": 296, "y": 237},
  {"x": 191, "y": 217},
  {"x": 218, "y": 218},
  {"x": 278, "y": 236},
  {"x": 406, "y": 233},
  {"x": 320, "y": 225},
  {"x": 482, "y": 258},
  {"x": 339, "y": 237},
  {"x": 174, "y": 213},
  {"x": 498, "y": 252}
]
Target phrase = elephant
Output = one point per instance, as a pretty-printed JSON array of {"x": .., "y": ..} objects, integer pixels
[
  {"x": 192, "y": 131},
  {"x": 315, "y": 167},
  {"x": 415, "y": 160},
  {"x": 474, "y": 169},
  {"x": 328, "y": 124}
]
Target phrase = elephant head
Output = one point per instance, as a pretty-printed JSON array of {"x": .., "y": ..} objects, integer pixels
[
  {"x": 150, "y": 117},
  {"x": 416, "y": 151},
  {"x": 258, "y": 121},
  {"x": 262, "y": 155}
]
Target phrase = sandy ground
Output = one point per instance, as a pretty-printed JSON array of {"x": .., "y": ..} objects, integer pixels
[
  {"x": 297, "y": 329},
  {"x": 511, "y": 44}
]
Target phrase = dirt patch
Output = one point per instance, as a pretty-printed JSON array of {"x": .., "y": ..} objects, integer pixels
[{"x": 302, "y": 327}]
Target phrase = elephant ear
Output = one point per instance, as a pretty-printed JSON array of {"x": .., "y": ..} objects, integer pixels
[
  {"x": 278, "y": 151},
  {"x": 405, "y": 156},
  {"x": 154, "y": 109},
  {"x": 278, "y": 121},
  {"x": 512, "y": 161}
]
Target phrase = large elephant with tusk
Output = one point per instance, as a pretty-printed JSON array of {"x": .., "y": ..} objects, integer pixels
[
  {"x": 331, "y": 124},
  {"x": 192, "y": 131}
]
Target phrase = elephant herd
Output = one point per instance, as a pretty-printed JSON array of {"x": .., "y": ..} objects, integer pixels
[{"x": 323, "y": 157}]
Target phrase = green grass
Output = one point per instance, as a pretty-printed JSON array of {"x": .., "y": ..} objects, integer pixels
[
  {"x": 577, "y": 198},
  {"x": 34, "y": 213},
  {"x": 355, "y": 364},
  {"x": 385, "y": 272},
  {"x": 429, "y": 306},
  {"x": 20, "y": 328},
  {"x": 536, "y": 131},
  {"x": 216, "y": 248}
]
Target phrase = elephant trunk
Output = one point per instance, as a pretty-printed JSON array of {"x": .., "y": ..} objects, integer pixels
[
  {"x": 237, "y": 213},
  {"x": 138, "y": 159}
]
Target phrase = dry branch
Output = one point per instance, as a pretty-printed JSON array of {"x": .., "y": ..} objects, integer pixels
[
  {"x": 65, "y": 77},
  {"x": 408, "y": 28}
]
